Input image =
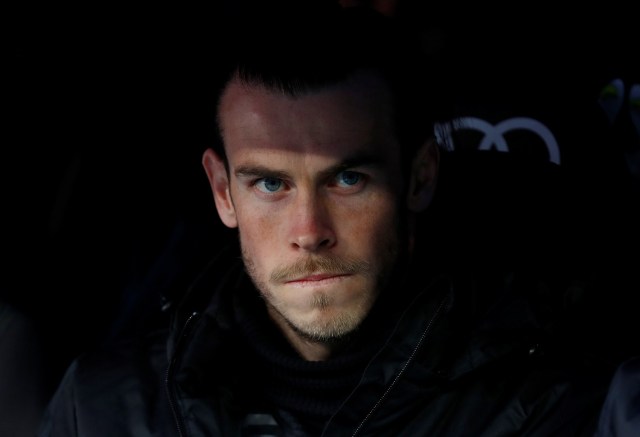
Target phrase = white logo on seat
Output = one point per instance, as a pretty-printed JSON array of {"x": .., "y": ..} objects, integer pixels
[{"x": 494, "y": 135}]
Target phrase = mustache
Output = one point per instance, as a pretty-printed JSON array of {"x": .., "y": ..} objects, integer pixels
[{"x": 320, "y": 264}]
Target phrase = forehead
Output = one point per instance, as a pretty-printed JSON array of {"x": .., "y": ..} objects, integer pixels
[{"x": 356, "y": 113}]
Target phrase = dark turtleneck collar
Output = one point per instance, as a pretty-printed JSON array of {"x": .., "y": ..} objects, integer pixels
[{"x": 311, "y": 389}]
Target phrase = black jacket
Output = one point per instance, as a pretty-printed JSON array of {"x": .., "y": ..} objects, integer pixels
[{"x": 463, "y": 357}]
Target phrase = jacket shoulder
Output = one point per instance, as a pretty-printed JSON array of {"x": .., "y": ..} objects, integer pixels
[{"x": 115, "y": 390}]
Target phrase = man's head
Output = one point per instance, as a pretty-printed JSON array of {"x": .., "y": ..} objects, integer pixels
[{"x": 314, "y": 172}]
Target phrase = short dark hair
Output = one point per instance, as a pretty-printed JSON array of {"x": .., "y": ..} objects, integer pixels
[{"x": 295, "y": 47}]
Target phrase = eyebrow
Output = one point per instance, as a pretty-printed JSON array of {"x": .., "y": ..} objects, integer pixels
[
  {"x": 260, "y": 171},
  {"x": 357, "y": 160}
]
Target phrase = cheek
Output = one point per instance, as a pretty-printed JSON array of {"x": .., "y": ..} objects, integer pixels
[
  {"x": 362, "y": 226},
  {"x": 258, "y": 233},
  {"x": 255, "y": 226},
  {"x": 372, "y": 223}
]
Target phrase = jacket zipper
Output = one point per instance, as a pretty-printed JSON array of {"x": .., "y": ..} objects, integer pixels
[
  {"x": 404, "y": 368},
  {"x": 171, "y": 395}
]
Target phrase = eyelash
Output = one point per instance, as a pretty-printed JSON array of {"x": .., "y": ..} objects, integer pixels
[
  {"x": 361, "y": 177},
  {"x": 258, "y": 182},
  {"x": 335, "y": 181}
]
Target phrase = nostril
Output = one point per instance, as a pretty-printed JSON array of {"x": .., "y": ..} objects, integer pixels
[{"x": 312, "y": 242}]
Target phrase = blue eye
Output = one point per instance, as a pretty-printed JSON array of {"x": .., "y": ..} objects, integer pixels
[
  {"x": 268, "y": 185},
  {"x": 348, "y": 178}
]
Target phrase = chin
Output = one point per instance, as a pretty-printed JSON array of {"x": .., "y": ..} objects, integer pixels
[{"x": 330, "y": 328}]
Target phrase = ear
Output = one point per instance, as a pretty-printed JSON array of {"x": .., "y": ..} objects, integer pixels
[
  {"x": 424, "y": 173},
  {"x": 218, "y": 179}
]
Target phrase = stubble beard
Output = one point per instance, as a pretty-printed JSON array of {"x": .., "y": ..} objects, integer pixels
[{"x": 343, "y": 323}]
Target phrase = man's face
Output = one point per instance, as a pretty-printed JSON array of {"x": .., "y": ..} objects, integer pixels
[{"x": 314, "y": 189}]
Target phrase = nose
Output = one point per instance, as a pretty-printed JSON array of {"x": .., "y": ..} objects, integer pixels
[{"x": 311, "y": 229}]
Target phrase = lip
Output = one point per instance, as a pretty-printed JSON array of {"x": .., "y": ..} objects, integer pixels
[{"x": 316, "y": 278}]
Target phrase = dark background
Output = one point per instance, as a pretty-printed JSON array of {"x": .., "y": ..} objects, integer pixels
[
  {"x": 105, "y": 206},
  {"x": 106, "y": 209}
]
